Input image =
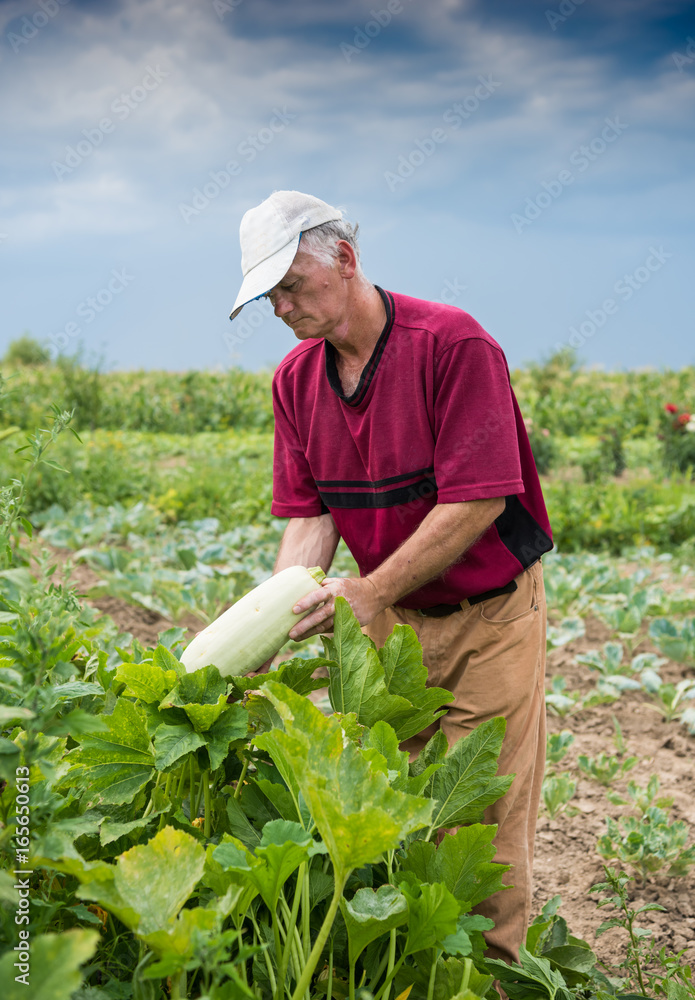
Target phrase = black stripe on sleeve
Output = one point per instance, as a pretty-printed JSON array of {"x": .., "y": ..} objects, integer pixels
[
  {"x": 374, "y": 484},
  {"x": 424, "y": 489},
  {"x": 521, "y": 533}
]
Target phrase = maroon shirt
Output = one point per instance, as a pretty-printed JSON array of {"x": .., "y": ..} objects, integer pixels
[{"x": 433, "y": 420}]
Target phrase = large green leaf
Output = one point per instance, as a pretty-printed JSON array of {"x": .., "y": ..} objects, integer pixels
[
  {"x": 296, "y": 674},
  {"x": 146, "y": 681},
  {"x": 14, "y": 713},
  {"x": 388, "y": 684},
  {"x": 382, "y": 738},
  {"x": 54, "y": 966},
  {"x": 173, "y": 742},
  {"x": 406, "y": 676},
  {"x": 232, "y": 725},
  {"x": 357, "y": 683},
  {"x": 432, "y": 915},
  {"x": 463, "y": 862},
  {"x": 370, "y": 914},
  {"x": 202, "y": 695},
  {"x": 113, "y": 767},
  {"x": 152, "y": 880},
  {"x": 534, "y": 977},
  {"x": 165, "y": 659},
  {"x": 356, "y": 812},
  {"x": 178, "y": 939},
  {"x": 284, "y": 846},
  {"x": 466, "y": 783}
]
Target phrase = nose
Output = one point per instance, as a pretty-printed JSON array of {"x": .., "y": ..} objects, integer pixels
[{"x": 282, "y": 305}]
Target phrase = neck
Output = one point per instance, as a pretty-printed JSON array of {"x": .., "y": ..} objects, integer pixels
[{"x": 355, "y": 338}]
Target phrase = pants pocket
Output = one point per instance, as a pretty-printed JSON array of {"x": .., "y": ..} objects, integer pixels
[{"x": 520, "y": 604}]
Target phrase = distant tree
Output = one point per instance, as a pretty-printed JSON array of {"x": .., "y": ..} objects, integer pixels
[{"x": 25, "y": 350}]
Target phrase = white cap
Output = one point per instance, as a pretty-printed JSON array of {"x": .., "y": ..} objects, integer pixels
[{"x": 269, "y": 236}]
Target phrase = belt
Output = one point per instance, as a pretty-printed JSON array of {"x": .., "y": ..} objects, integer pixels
[{"x": 442, "y": 610}]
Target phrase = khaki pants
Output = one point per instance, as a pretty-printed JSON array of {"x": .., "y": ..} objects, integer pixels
[{"x": 492, "y": 657}]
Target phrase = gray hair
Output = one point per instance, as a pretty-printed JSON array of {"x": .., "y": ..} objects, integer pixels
[{"x": 321, "y": 241}]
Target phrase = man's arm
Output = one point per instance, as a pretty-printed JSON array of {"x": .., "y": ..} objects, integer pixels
[
  {"x": 439, "y": 541},
  {"x": 308, "y": 541}
]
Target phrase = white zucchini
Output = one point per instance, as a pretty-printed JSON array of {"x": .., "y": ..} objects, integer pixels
[{"x": 254, "y": 628}]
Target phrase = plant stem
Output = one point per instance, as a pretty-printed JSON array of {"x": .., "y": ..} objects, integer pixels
[
  {"x": 208, "y": 806},
  {"x": 191, "y": 790},
  {"x": 465, "y": 978},
  {"x": 292, "y": 923},
  {"x": 322, "y": 936},
  {"x": 379, "y": 972},
  {"x": 150, "y": 804},
  {"x": 329, "y": 986},
  {"x": 178, "y": 980},
  {"x": 201, "y": 787},
  {"x": 181, "y": 785},
  {"x": 391, "y": 976},
  {"x": 392, "y": 932},
  {"x": 635, "y": 946},
  {"x": 433, "y": 975},
  {"x": 240, "y": 782},
  {"x": 306, "y": 914},
  {"x": 268, "y": 963}
]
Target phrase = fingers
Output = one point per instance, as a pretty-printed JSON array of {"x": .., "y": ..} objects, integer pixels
[
  {"x": 311, "y": 600},
  {"x": 314, "y": 623},
  {"x": 323, "y": 629}
]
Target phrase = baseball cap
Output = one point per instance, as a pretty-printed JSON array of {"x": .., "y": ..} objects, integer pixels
[{"x": 270, "y": 235}]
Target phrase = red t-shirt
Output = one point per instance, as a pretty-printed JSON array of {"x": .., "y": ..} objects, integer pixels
[{"x": 433, "y": 420}]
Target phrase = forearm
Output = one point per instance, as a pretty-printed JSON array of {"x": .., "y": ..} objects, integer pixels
[
  {"x": 440, "y": 540},
  {"x": 308, "y": 541}
]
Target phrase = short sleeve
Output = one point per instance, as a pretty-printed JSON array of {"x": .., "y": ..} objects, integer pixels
[
  {"x": 295, "y": 493},
  {"x": 476, "y": 444}
]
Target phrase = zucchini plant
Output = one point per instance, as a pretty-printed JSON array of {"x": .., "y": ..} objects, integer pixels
[{"x": 195, "y": 835}]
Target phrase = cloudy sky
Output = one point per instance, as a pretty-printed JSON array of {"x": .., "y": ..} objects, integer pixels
[{"x": 531, "y": 162}]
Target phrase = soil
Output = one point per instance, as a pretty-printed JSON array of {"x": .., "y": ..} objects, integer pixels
[{"x": 566, "y": 860}]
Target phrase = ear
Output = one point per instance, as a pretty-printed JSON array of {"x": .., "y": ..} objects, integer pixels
[{"x": 347, "y": 259}]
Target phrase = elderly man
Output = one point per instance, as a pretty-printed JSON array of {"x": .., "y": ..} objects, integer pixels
[{"x": 396, "y": 428}]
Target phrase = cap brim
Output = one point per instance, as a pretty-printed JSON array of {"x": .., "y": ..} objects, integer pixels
[{"x": 264, "y": 276}]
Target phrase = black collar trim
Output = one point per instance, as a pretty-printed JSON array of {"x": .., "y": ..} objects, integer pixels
[{"x": 369, "y": 369}]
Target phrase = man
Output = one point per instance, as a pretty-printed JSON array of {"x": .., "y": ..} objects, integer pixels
[{"x": 396, "y": 428}]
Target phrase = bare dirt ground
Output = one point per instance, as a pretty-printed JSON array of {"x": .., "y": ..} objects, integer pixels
[{"x": 567, "y": 862}]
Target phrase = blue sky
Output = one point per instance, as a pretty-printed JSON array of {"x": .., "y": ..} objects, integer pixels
[{"x": 531, "y": 161}]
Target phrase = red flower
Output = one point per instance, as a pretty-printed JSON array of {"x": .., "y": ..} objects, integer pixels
[
  {"x": 684, "y": 418},
  {"x": 670, "y": 408}
]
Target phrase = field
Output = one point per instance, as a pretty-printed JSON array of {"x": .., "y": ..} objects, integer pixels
[{"x": 121, "y": 543}]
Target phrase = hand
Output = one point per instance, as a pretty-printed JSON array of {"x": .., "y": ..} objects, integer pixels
[{"x": 360, "y": 593}]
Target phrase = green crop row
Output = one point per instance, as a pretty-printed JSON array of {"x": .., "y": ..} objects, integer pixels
[
  {"x": 229, "y": 476},
  {"x": 558, "y": 397}
]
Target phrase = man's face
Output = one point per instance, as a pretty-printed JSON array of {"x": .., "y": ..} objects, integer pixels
[{"x": 311, "y": 298}]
